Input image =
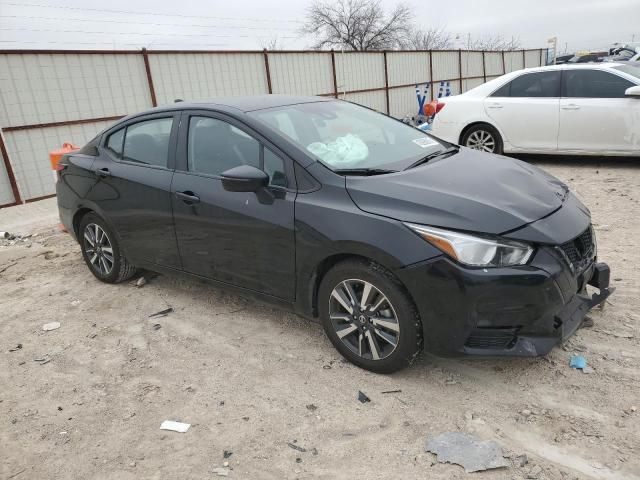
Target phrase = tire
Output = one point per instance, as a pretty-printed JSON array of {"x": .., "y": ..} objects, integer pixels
[
  {"x": 483, "y": 137},
  {"x": 393, "y": 330},
  {"x": 101, "y": 251}
]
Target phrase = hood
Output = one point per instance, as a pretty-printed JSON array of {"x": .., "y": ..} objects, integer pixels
[{"x": 470, "y": 190}]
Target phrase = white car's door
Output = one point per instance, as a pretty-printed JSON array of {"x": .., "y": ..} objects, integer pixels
[
  {"x": 595, "y": 114},
  {"x": 526, "y": 111}
]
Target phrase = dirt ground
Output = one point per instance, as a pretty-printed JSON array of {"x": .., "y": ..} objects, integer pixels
[{"x": 252, "y": 379}]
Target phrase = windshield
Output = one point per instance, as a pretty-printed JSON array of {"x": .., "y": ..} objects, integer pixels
[
  {"x": 633, "y": 70},
  {"x": 342, "y": 135}
]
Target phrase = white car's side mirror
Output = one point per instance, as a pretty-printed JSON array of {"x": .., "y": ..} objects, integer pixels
[{"x": 633, "y": 91}]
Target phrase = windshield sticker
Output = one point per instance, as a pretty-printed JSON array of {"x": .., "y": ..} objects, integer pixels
[{"x": 425, "y": 142}]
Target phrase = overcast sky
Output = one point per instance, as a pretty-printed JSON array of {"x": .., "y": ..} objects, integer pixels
[{"x": 252, "y": 24}]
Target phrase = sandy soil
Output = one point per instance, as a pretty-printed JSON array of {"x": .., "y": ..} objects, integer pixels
[{"x": 251, "y": 379}]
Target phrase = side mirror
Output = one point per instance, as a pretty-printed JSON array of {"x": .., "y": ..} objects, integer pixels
[
  {"x": 633, "y": 91},
  {"x": 244, "y": 178}
]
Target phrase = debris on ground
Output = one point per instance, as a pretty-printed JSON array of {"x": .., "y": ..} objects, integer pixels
[
  {"x": 42, "y": 360},
  {"x": 580, "y": 363},
  {"x": 467, "y": 451},
  {"x": 5, "y": 235},
  {"x": 51, "y": 326},
  {"x": 16, "y": 348},
  {"x": 311, "y": 407},
  {"x": 227, "y": 453},
  {"x": 141, "y": 282},
  {"x": 175, "y": 426},
  {"x": 221, "y": 471},
  {"x": 392, "y": 391},
  {"x": 615, "y": 334},
  {"x": 522, "y": 460},
  {"x": 296, "y": 447},
  {"x": 162, "y": 313},
  {"x": 157, "y": 326},
  {"x": 362, "y": 397}
]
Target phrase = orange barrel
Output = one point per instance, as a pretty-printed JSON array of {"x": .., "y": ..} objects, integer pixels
[{"x": 56, "y": 155}]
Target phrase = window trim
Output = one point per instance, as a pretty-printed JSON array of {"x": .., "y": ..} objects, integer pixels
[
  {"x": 558, "y": 71},
  {"x": 182, "y": 157},
  {"x": 605, "y": 71},
  {"x": 173, "y": 136}
]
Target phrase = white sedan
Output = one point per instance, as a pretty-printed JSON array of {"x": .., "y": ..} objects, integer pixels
[{"x": 583, "y": 109}]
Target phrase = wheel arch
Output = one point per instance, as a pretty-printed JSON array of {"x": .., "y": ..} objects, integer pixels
[{"x": 476, "y": 123}]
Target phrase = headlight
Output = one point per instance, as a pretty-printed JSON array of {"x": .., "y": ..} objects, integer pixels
[{"x": 475, "y": 251}]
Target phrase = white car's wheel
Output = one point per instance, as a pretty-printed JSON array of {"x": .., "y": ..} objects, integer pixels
[{"x": 483, "y": 137}]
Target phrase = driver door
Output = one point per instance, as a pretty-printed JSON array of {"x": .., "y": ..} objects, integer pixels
[{"x": 242, "y": 238}]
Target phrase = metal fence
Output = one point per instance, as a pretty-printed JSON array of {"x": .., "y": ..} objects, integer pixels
[{"x": 51, "y": 97}]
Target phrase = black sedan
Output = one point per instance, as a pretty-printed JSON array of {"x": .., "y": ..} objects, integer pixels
[{"x": 394, "y": 240}]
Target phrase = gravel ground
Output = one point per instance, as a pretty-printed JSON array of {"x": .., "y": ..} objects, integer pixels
[{"x": 255, "y": 381}]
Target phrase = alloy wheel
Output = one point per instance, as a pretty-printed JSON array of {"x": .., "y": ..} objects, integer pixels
[
  {"x": 481, "y": 140},
  {"x": 98, "y": 249},
  {"x": 364, "y": 319}
]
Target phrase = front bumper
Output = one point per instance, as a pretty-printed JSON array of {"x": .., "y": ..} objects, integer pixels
[{"x": 517, "y": 311}]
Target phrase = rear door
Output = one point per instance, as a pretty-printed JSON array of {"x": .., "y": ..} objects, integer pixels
[
  {"x": 525, "y": 110},
  {"x": 240, "y": 238},
  {"x": 595, "y": 115},
  {"x": 133, "y": 175}
]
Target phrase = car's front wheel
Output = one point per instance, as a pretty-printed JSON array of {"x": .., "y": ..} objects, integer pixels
[
  {"x": 369, "y": 317},
  {"x": 101, "y": 251},
  {"x": 483, "y": 137}
]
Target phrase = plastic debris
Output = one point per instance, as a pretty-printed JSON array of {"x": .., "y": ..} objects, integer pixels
[
  {"x": 392, "y": 391},
  {"x": 5, "y": 234},
  {"x": 362, "y": 397},
  {"x": 467, "y": 451},
  {"x": 175, "y": 426},
  {"x": 349, "y": 149},
  {"x": 221, "y": 471},
  {"x": 161, "y": 313},
  {"x": 42, "y": 360},
  {"x": 16, "y": 348},
  {"x": 296, "y": 447},
  {"x": 141, "y": 282},
  {"x": 578, "y": 361},
  {"x": 51, "y": 326}
]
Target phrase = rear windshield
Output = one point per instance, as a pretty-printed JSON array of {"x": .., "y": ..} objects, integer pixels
[
  {"x": 343, "y": 135},
  {"x": 633, "y": 70}
]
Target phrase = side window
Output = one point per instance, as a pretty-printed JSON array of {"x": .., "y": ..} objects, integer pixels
[
  {"x": 215, "y": 146},
  {"x": 115, "y": 141},
  {"x": 539, "y": 84},
  {"x": 274, "y": 167},
  {"x": 147, "y": 142},
  {"x": 583, "y": 83},
  {"x": 503, "y": 91}
]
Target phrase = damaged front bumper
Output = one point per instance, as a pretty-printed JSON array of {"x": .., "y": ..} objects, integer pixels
[{"x": 518, "y": 311}]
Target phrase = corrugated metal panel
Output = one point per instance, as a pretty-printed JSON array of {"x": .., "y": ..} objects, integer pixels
[
  {"x": 532, "y": 58},
  {"x": 198, "y": 76},
  {"x": 39, "y": 88},
  {"x": 445, "y": 65},
  {"x": 493, "y": 62},
  {"x": 469, "y": 84},
  {"x": 375, "y": 100},
  {"x": 408, "y": 67},
  {"x": 358, "y": 71},
  {"x": 403, "y": 102},
  {"x": 472, "y": 64},
  {"x": 300, "y": 73},
  {"x": 513, "y": 61},
  {"x": 29, "y": 152},
  {"x": 6, "y": 194}
]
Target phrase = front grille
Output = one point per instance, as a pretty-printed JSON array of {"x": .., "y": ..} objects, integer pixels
[
  {"x": 491, "y": 338},
  {"x": 580, "y": 251}
]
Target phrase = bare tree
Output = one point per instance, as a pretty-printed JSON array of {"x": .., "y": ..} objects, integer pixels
[
  {"x": 357, "y": 25},
  {"x": 492, "y": 42},
  {"x": 430, "y": 39},
  {"x": 272, "y": 43}
]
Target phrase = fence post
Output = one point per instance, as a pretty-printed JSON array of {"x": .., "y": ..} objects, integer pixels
[
  {"x": 12, "y": 178},
  {"x": 333, "y": 70},
  {"x": 386, "y": 82},
  {"x": 460, "y": 68},
  {"x": 431, "y": 75},
  {"x": 504, "y": 68},
  {"x": 484, "y": 67},
  {"x": 524, "y": 59},
  {"x": 267, "y": 71},
  {"x": 147, "y": 67}
]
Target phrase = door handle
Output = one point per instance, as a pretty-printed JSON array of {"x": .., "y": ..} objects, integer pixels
[
  {"x": 495, "y": 105},
  {"x": 571, "y": 106},
  {"x": 188, "y": 197},
  {"x": 103, "y": 173}
]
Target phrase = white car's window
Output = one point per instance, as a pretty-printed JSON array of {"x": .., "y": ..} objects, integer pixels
[
  {"x": 528, "y": 85},
  {"x": 583, "y": 83},
  {"x": 633, "y": 70}
]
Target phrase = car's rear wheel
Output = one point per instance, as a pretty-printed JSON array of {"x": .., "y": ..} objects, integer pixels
[
  {"x": 101, "y": 251},
  {"x": 369, "y": 317},
  {"x": 483, "y": 137}
]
